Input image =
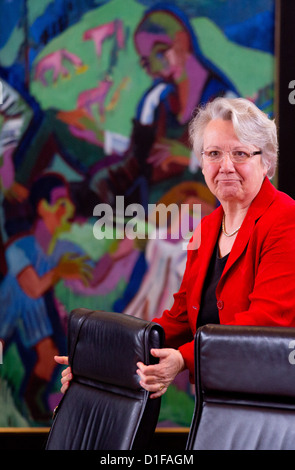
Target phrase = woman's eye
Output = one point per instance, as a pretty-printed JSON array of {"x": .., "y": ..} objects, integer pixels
[
  {"x": 214, "y": 153},
  {"x": 240, "y": 154}
]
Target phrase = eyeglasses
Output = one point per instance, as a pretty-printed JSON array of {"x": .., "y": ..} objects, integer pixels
[{"x": 236, "y": 156}]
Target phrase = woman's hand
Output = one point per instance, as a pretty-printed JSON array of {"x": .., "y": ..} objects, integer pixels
[
  {"x": 153, "y": 378},
  {"x": 157, "y": 378},
  {"x": 66, "y": 375}
]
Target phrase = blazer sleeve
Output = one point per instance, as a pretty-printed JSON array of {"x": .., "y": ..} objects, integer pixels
[
  {"x": 175, "y": 321},
  {"x": 178, "y": 334}
]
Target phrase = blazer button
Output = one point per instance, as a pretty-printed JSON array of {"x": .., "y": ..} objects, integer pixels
[{"x": 220, "y": 304}]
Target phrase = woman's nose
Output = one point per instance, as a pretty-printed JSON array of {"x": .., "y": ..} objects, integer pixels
[{"x": 226, "y": 163}]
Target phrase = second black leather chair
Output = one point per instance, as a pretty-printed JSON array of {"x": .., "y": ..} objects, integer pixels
[{"x": 245, "y": 389}]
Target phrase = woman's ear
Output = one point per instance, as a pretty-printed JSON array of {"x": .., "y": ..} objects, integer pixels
[{"x": 266, "y": 167}]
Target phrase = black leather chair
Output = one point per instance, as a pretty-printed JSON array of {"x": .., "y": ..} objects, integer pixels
[
  {"x": 245, "y": 389},
  {"x": 105, "y": 408}
]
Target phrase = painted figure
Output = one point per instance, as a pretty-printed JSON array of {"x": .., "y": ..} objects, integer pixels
[{"x": 35, "y": 262}]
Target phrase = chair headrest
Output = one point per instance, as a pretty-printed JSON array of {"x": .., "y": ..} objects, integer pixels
[
  {"x": 248, "y": 360},
  {"x": 105, "y": 346}
]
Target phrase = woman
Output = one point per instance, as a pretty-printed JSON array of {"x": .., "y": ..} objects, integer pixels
[{"x": 242, "y": 272}]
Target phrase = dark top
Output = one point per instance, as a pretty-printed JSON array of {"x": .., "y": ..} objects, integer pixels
[{"x": 209, "y": 311}]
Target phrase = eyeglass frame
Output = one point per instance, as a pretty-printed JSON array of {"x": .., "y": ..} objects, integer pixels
[{"x": 223, "y": 152}]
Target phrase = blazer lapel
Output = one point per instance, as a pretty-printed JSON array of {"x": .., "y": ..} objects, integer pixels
[{"x": 259, "y": 205}]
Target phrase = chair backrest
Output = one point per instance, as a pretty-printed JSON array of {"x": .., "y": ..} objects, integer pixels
[
  {"x": 245, "y": 389},
  {"x": 105, "y": 408}
]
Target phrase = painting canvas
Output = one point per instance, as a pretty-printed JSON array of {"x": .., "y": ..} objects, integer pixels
[{"x": 96, "y": 100}]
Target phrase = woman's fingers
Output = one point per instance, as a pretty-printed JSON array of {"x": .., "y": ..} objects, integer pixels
[
  {"x": 63, "y": 360},
  {"x": 159, "y": 393},
  {"x": 66, "y": 375},
  {"x": 156, "y": 378},
  {"x": 151, "y": 383}
]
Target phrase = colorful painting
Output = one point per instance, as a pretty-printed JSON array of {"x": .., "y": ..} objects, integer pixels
[{"x": 96, "y": 100}]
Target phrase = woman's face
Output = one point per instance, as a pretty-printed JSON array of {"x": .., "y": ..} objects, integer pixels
[{"x": 231, "y": 182}]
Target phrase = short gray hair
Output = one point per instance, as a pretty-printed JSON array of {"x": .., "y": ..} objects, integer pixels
[{"x": 251, "y": 125}]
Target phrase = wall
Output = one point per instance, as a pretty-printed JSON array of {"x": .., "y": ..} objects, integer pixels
[{"x": 97, "y": 96}]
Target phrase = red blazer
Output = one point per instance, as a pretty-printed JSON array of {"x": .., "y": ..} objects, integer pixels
[{"x": 257, "y": 286}]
